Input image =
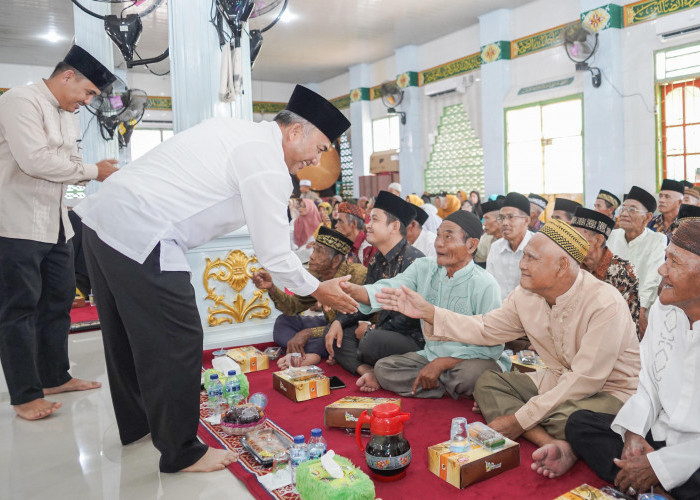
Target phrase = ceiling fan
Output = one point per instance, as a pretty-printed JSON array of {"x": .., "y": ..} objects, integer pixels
[
  {"x": 581, "y": 44},
  {"x": 125, "y": 30}
]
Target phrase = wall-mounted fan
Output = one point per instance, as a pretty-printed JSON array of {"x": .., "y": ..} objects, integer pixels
[
  {"x": 125, "y": 30},
  {"x": 118, "y": 109},
  {"x": 265, "y": 15},
  {"x": 581, "y": 44},
  {"x": 392, "y": 96}
]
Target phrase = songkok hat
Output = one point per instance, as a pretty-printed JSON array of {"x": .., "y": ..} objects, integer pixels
[
  {"x": 517, "y": 200},
  {"x": 395, "y": 206},
  {"x": 687, "y": 235},
  {"x": 537, "y": 200},
  {"x": 671, "y": 185},
  {"x": 421, "y": 215},
  {"x": 687, "y": 184},
  {"x": 567, "y": 238},
  {"x": 491, "y": 206},
  {"x": 566, "y": 205},
  {"x": 469, "y": 222},
  {"x": 333, "y": 239},
  {"x": 609, "y": 197},
  {"x": 305, "y": 182},
  {"x": 595, "y": 221},
  {"x": 415, "y": 200},
  {"x": 692, "y": 192},
  {"x": 89, "y": 67},
  {"x": 319, "y": 111},
  {"x": 688, "y": 212},
  {"x": 395, "y": 186},
  {"x": 643, "y": 197},
  {"x": 352, "y": 209}
]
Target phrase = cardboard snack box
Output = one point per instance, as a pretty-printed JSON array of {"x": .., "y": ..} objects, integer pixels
[
  {"x": 250, "y": 359},
  {"x": 477, "y": 464},
  {"x": 345, "y": 412},
  {"x": 585, "y": 492},
  {"x": 517, "y": 366},
  {"x": 311, "y": 387},
  {"x": 384, "y": 161}
]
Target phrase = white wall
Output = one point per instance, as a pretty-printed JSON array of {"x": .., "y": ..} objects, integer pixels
[{"x": 14, "y": 75}]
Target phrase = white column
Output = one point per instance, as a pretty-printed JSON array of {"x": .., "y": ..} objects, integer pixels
[
  {"x": 494, "y": 27},
  {"x": 90, "y": 35},
  {"x": 195, "y": 65},
  {"x": 603, "y": 110},
  {"x": 411, "y": 157},
  {"x": 361, "y": 128}
]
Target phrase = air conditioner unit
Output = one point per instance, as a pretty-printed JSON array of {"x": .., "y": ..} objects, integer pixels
[
  {"x": 457, "y": 84},
  {"x": 677, "y": 25}
]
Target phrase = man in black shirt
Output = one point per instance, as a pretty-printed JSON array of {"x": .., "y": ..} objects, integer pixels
[{"x": 350, "y": 339}]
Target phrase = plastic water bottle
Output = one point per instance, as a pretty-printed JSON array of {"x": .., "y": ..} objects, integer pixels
[
  {"x": 232, "y": 388},
  {"x": 215, "y": 393},
  {"x": 317, "y": 444},
  {"x": 298, "y": 454}
]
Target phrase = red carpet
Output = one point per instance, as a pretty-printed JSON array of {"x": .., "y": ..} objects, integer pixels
[
  {"x": 84, "y": 319},
  {"x": 429, "y": 424}
]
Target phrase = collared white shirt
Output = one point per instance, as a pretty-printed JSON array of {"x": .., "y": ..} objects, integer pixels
[
  {"x": 203, "y": 183},
  {"x": 646, "y": 253},
  {"x": 667, "y": 401},
  {"x": 39, "y": 158},
  {"x": 426, "y": 243},
  {"x": 504, "y": 264}
]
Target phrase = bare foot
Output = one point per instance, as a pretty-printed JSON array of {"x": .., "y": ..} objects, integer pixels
[
  {"x": 331, "y": 361},
  {"x": 213, "y": 459},
  {"x": 476, "y": 408},
  {"x": 554, "y": 459},
  {"x": 368, "y": 382},
  {"x": 37, "y": 409},
  {"x": 74, "y": 384}
]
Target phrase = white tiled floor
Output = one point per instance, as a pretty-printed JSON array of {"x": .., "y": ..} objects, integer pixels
[{"x": 76, "y": 453}]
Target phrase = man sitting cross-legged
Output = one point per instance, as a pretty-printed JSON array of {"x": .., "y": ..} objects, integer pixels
[
  {"x": 580, "y": 326},
  {"x": 451, "y": 280},
  {"x": 357, "y": 346},
  {"x": 654, "y": 440},
  {"x": 304, "y": 334}
]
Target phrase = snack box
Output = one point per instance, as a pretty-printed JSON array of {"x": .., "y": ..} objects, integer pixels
[
  {"x": 471, "y": 466},
  {"x": 249, "y": 358},
  {"x": 345, "y": 412},
  {"x": 301, "y": 384},
  {"x": 585, "y": 492},
  {"x": 518, "y": 366},
  {"x": 263, "y": 444}
]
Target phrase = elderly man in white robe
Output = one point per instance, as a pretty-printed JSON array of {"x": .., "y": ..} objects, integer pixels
[{"x": 654, "y": 442}]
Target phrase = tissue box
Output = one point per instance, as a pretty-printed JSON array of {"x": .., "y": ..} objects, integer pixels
[
  {"x": 345, "y": 412},
  {"x": 477, "y": 464},
  {"x": 517, "y": 366},
  {"x": 311, "y": 387},
  {"x": 249, "y": 358}
]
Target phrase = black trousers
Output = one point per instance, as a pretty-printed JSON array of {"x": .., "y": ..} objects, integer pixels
[
  {"x": 593, "y": 440},
  {"x": 373, "y": 346},
  {"x": 37, "y": 288},
  {"x": 153, "y": 347}
]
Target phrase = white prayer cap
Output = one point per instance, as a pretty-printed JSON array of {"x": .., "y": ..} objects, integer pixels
[
  {"x": 305, "y": 182},
  {"x": 395, "y": 186}
]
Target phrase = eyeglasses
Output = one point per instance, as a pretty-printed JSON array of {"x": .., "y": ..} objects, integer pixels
[
  {"x": 510, "y": 218},
  {"x": 632, "y": 210}
]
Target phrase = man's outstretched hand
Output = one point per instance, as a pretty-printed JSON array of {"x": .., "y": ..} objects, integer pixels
[
  {"x": 407, "y": 302},
  {"x": 330, "y": 294}
]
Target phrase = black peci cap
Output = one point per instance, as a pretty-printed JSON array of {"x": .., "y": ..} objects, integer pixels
[
  {"x": 319, "y": 111},
  {"x": 396, "y": 206},
  {"x": 89, "y": 67}
]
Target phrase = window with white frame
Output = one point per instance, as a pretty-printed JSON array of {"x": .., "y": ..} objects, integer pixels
[
  {"x": 144, "y": 139},
  {"x": 385, "y": 133},
  {"x": 544, "y": 147}
]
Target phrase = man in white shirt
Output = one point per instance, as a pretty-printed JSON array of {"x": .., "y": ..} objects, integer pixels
[
  {"x": 420, "y": 238},
  {"x": 203, "y": 183},
  {"x": 492, "y": 230},
  {"x": 503, "y": 261},
  {"x": 654, "y": 440},
  {"x": 644, "y": 248},
  {"x": 39, "y": 158}
]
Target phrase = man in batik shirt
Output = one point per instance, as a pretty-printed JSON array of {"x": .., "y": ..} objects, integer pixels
[{"x": 670, "y": 199}]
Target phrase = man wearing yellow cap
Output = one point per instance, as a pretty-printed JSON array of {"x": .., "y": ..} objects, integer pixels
[{"x": 580, "y": 326}]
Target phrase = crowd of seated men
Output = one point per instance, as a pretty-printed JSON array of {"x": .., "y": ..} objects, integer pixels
[{"x": 608, "y": 297}]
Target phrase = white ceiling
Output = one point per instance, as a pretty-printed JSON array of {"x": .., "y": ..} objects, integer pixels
[{"x": 322, "y": 40}]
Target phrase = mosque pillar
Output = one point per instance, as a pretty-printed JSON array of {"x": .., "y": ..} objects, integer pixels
[
  {"x": 361, "y": 120},
  {"x": 411, "y": 154},
  {"x": 603, "y": 109},
  {"x": 90, "y": 35},
  {"x": 494, "y": 30}
]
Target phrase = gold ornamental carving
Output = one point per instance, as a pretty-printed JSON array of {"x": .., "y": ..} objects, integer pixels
[{"x": 235, "y": 271}]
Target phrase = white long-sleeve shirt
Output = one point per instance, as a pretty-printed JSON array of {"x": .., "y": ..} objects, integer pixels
[
  {"x": 646, "y": 253},
  {"x": 426, "y": 243},
  {"x": 667, "y": 401},
  {"x": 504, "y": 264},
  {"x": 203, "y": 183},
  {"x": 38, "y": 159}
]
